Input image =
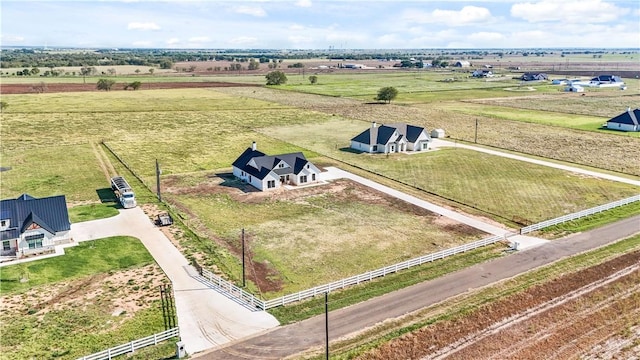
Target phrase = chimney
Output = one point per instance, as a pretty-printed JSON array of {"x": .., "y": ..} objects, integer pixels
[
  {"x": 373, "y": 124},
  {"x": 254, "y": 146}
]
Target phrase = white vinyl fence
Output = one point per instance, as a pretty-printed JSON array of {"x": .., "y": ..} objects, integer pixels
[
  {"x": 134, "y": 345},
  {"x": 250, "y": 299},
  {"x": 579, "y": 214}
]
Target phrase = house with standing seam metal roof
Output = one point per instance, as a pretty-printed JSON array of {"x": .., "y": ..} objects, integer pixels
[
  {"x": 30, "y": 225},
  {"x": 391, "y": 138},
  {"x": 266, "y": 172}
]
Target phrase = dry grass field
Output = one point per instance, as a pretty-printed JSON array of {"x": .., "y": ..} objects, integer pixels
[{"x": 600, "y": 150}]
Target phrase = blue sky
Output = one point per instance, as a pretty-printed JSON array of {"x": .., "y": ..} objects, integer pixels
[{"x": 321, "y": 24}]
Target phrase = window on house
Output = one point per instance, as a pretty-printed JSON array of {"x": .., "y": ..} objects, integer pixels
[
  {"x": 34, "y": 241},
  {"x": 271, "y": 184},
  {"x": 6, "y": 245},
  {"x": 281, "y": 165},
  {"x": 313, "y": 177},
  {"x": 303, "y": 179},
  {"x": 3, "y": 223},
  {"x": 375, "y": 147}
]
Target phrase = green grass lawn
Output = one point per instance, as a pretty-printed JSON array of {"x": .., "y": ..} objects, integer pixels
[
  {"x": 88, "y": 258},
  {"x": 513, "y": 190},
  {"x": 40, "y": 171},
  {"x": 88, "y": 212},
  {"x": 68, "y": 331}
]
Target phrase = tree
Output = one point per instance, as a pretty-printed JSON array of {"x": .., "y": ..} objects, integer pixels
[
  {"x": 3, "y": 105},
  {"x": 253, "y": 65},
  {"x": 276, "y": 78},
  {"x": 35, "y": 71},
  {"x": 85, "y": 71},
  {"x": 387, "y": 94},
  {"x": 134, "y": 85},
  {"x": 313, "y": 79},
  {"x": 151, "y": 70},
  {"x": 105, "y": 84}
]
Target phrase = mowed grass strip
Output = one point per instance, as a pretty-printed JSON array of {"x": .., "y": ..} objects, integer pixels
[
  {"x": 367, "y": 231},
  {"x": 513, "y": 190},
  {"x": 87, "y": 258},
  {"x": 71, "y": 170}
]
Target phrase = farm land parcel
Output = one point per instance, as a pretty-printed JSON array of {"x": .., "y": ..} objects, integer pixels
[{"x": 197, "y": 133}]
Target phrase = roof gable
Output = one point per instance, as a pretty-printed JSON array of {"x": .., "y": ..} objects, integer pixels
[
  {"x": 629, "y": 117},
  {"x": 49, "y": 213}
]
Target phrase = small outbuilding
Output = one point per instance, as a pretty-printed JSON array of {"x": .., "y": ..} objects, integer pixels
[
  {"x": 462, "y": 63},
  {"x": 627, "y": 121},
  {"x": 574, "y": 88},
  {"x": 437, "y": 133}
]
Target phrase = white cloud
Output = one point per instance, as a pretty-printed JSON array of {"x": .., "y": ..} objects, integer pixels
[
  {"x": 574, "y": 11},
  {"x": 5, "y": 38},
  {"x": 299, "y": 39},
  {"x": 296, "y": 27},
  {"x": 173, "y": 41},
  {"x": 467, "y": 15},
  {"x": 303, "y": 3},
  {"x": 199, "y": 39},
  {"x": 256, "y": 11},
  {"x": 244, "y": 40},
  {"x": 486, "y": 37},
  {"x": 142, "y": 43},
  {"x": 143, "y": 26}
]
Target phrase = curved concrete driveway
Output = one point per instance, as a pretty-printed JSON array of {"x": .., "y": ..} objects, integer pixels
[{"x": 206, "y": 317}]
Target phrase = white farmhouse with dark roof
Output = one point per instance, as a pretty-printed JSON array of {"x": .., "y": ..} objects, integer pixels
[
  {"x": 267, "y": 172},
  {"x": 391, "y": 138},
  {"x": 30, "y": 225},
  {"x": 627, "y": 121}
]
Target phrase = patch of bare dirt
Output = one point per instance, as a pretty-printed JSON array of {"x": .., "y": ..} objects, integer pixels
[
  {"x": 121, "y": 293},
  {"x": 563, "y": 318}
]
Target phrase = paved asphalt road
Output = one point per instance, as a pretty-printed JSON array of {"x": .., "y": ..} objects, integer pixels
[{"x": 292, "y": 339}]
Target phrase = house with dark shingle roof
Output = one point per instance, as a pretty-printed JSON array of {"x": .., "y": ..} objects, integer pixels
[
  {"x": 270, "y": 172},
  {"x": 530, "y": 76},
  {"x": 627, "y": 121},
  {"x": 391, "y": 138},
  {"x": 30, "y": 225}
]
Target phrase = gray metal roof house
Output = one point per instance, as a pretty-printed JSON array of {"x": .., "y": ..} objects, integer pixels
[
  {"x": 267, "y": 172},
  {"x": 391, "y": 138},
  {"x": 30, "y": 225}
]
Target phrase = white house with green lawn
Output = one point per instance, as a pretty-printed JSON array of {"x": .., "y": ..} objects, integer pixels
[{"x": 391, "y": 138}]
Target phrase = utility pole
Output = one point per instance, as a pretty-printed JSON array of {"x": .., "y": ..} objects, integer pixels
[
  {"x": 244, "y": 283},
  {"x": 158, "y": 180},
  {"x": 326, "y": 322},
  {"x": 475, "y": 140}
]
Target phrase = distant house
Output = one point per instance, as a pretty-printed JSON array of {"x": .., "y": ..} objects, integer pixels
[
  {"x": 574, "y": 88},
  {"x": 482, "y": 73},
  {"x": 30, "y": 225},
  {"x": 560, "y": 81},
  {"x": 608, "y": 79},
  {"x": 627, "y": 121},
  {"x": 391, "y": 138},
  {"x": 530, "y": 76},
  {"x": 272, "y": 172},
  {"x": 462, "y": 63}
]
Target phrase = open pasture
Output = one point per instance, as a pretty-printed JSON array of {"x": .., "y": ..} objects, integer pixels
[
  {"x": 288, "y": 243},
  {"x": 604, "y": 150},
  {"x": 512, "y": 190}
]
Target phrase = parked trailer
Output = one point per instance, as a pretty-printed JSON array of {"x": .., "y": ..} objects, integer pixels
[{"x": 123, "y": 191}]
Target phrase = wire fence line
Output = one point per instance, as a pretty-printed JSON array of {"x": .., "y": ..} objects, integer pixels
[
  {"x": 134, "y": 345},
  {"x": 579, "y": 214}
]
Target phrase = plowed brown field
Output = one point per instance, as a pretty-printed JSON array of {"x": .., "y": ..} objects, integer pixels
[
  {"x": 54, "y": 88},
  {"x": 595, "y": 308}
]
